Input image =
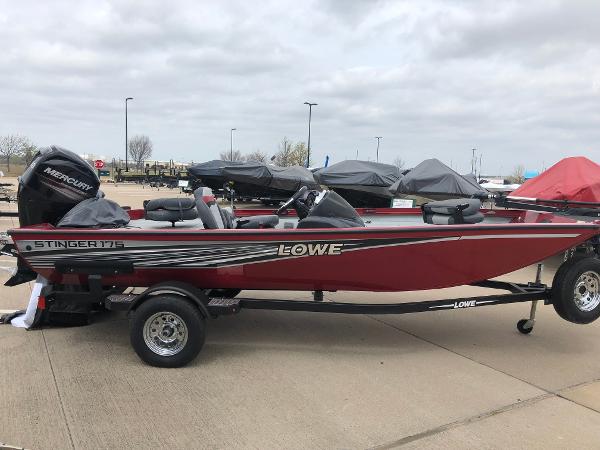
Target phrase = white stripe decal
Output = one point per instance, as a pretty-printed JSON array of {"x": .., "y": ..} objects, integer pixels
[
  {"x": 520, "y": 236},
  {"x": 202, "y": 253}
]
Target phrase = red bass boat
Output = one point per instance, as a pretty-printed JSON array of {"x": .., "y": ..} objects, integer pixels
[{"x": 192, "y": 257}]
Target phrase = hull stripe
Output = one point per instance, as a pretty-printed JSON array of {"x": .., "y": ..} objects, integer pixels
[{"x": 198, "y": 254}]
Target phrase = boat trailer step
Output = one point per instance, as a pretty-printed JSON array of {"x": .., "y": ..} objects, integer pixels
[
  {"x": 119, "y": 302},
  {"x": 220, "y": 305}
]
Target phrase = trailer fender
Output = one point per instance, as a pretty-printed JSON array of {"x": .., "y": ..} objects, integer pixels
[{"x": 196, "y": 295}]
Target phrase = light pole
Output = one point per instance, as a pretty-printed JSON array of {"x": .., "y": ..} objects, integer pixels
[
  {"x": 231, "y": 144},
  {"x": 378, "y": 137},
  {"x": 310, "y": 105},
  {"x": 126, "y": 150}
]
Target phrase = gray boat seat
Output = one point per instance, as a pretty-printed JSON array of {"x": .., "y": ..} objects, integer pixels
[
  {"x": 253, "y": 222},
  {"x": 170, "y": 210},
  {"x": 452, "y": 212},
  {"x": 203, "y": 198},
  {"x": 228, "y": 217},
  {"x": 217, "y": 217}
]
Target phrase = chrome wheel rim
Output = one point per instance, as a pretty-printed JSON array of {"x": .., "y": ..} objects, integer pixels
[
  {"x": 165, "y": 333},
  {"x": 587, "y": 291}
]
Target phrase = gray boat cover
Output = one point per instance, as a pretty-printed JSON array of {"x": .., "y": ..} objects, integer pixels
[
  {"x": 95, "y": 213},
  {"x": 470, "y": 177},
  {"x": 432, "y": 177},
  {"x": 270, "y": 176},
  {"x": 212, "y": 168},
  {"x": 355, "y": 172}
]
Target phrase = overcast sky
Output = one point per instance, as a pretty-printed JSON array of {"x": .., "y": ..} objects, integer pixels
[{"x": 520, "y": 81}]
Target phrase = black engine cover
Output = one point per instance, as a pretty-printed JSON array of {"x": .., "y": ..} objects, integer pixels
[{"x": 55, "y": 182}]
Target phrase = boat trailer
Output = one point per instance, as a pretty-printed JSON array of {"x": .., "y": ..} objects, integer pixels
[{"x": 61, "y": 298}]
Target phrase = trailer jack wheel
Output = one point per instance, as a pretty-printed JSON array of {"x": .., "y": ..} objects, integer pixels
[{"x": 525, "y": 326}]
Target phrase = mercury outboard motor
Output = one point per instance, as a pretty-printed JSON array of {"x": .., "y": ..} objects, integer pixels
[
  {"x": 55, "y": 181},
  {"x": 53, "y": 184}
]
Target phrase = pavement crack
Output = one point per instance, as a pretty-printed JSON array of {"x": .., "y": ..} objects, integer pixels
[
  {"x": 463, "y": 355},
  {"x": 547, "y": 393},
  {"x": 462, "y": 422},
  {"x": 60, "y": 399}
]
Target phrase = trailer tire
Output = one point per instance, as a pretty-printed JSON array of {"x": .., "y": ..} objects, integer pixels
[
  {"x": 167, "y": 331},
  {"x": 576, "y": 290},
  {"x": 559, "y": 275}
]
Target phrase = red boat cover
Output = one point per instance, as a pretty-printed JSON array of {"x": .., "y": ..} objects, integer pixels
[{"x": 575, "y": 179}]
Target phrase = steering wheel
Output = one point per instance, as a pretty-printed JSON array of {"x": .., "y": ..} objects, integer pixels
[{"x": 292, "y": 200}]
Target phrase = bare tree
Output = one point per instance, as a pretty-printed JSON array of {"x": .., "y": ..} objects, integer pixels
[
  {"x": 518, "y": 175},
  {"x": 236, "y": 155},
  {"x": 140, "y": 149},
  {"x": 291, "y": 154},
  {"x": 299, "y": 154},
  {"x": 256, "y": 156},
  {"x": 12, "y": 145},
  {"x": 29, "y": 152},
  {"x": 283, "y": 157},
  {"x": 399, "y": 162}
]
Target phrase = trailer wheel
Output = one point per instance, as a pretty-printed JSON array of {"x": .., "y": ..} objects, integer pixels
[
  {"x": 167, "y": 331},
  {"x": 576, "y": 290}
]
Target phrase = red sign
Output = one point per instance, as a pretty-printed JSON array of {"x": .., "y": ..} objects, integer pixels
[{"x": 98, "y": 164}]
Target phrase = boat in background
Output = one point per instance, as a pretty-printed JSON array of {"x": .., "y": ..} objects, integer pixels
[
  {"x": 434, "y": 180},
  {"x": 252, "y": 180},
  {"x": 575, "y": 179},
  {"x": 210, "y": 173},
  {"x": 363, "y": 184}
]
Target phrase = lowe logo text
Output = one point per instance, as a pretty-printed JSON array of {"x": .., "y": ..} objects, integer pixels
[
  {"x": 309, "y": 249},
  {"x": 465, "y": 304}
]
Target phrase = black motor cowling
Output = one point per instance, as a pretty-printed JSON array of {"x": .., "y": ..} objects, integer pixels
[{"x": 53, "y": 184}]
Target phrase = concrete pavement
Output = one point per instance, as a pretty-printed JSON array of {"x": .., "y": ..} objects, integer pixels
[
  {"x": 268, "y": 379},
  {"x": 461, "y": 379}
]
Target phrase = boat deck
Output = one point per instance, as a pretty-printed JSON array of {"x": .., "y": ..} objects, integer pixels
[{"x": 374, "y": 220}]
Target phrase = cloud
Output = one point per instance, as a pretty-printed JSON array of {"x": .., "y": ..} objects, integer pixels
[{"x": 517, "y": 80}]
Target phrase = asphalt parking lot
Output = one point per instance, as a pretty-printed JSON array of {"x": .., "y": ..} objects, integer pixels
[{"x": 269, "y": 379}]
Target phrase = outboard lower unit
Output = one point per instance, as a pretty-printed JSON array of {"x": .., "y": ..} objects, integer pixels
[{"x": 55, "y": 181}]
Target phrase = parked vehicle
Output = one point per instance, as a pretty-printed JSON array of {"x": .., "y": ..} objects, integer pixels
[{"x": 193, "y": 262}]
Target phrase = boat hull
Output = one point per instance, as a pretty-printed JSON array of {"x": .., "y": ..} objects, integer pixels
[{"x": 372, "y": 259}]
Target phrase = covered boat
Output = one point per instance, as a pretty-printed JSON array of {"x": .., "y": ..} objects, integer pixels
[
  {"x": 471, "y": 177},
  {"x": 260, "y": 180},
  {"x": 361, "y": 183},
  {"x": 253, "y": 180},
  {"x": 210, "y": 173},
  {"x": 435, "y": 180},
  {"x": 575, "y": 179}
]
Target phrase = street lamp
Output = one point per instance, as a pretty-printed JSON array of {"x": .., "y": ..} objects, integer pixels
[
  {"x": 378, "y": 137},
  {"x": 126, "y": 152},
  {"x": 231, "y": 143},
  {"x": 310, "y": 105}
]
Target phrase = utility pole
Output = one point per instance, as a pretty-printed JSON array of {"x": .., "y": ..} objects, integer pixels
[
  {"x": 310, "y": 105},
  {"x": 473, "y": 162},
  {"x": 231, "y": 144},
  {"x": 126, "y": 142},
  {"x": 378, "y": 138}
]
